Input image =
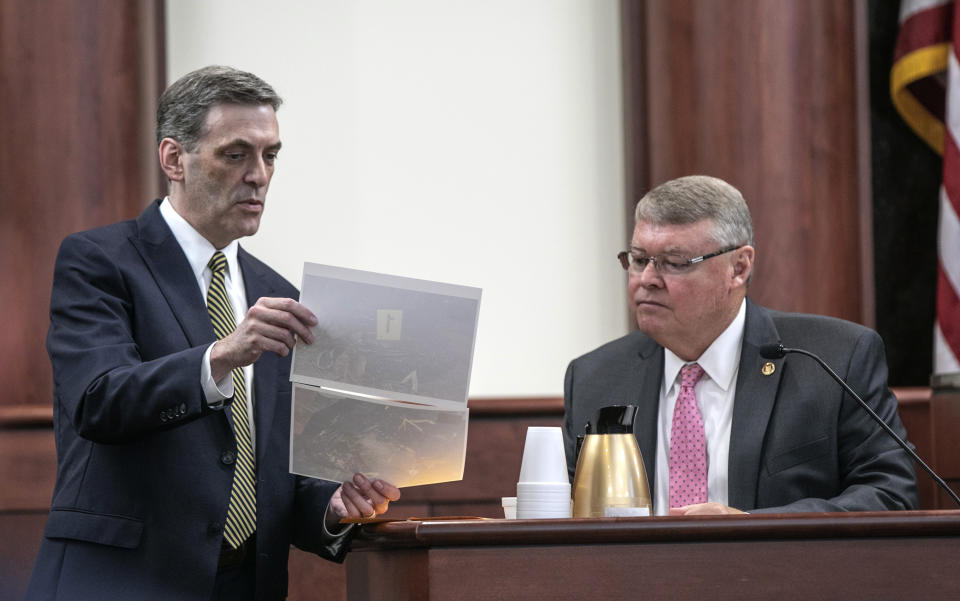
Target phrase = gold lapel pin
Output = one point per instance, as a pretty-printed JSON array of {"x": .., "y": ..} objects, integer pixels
[{"x": 768, "y": 368}]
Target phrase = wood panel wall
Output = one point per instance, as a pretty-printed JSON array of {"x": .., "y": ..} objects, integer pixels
[
  {"x": 78, "y": 89},
  {"x": 765, "y": 95}
]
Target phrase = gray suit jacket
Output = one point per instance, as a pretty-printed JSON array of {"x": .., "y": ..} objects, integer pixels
[{"x": 797, "y": 442}]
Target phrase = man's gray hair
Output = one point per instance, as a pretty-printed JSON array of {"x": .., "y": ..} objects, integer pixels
[
  {"x": 183, "y": 106},
  {"x": 695, "y": 198}
]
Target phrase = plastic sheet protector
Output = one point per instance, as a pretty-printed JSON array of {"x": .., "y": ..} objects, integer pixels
[{"x": 383, "y": 388}]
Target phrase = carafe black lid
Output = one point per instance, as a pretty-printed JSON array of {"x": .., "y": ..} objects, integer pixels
[{"x": 615, "y": 419}]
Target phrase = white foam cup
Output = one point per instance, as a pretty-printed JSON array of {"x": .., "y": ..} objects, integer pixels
[
  {"x": 544, "y": 459},
  {"x": 543, "y": 488},
  {"x": 527, "y": 511},
  {"x": 543, "y": 500},
  {"x": 509, "y": 507}
]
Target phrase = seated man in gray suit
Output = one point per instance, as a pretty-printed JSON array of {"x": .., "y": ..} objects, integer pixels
[{"x": 721, "y": 429}]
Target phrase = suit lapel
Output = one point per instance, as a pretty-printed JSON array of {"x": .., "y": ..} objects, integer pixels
[
  {"x": 257, "y": 286},
  {"x": 165, "y": 259},
  {"x": 753, "y": 405},
  {"x": 649, "y": 372}
]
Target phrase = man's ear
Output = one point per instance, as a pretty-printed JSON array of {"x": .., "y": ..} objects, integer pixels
[
  {"x": 171, "y": 155},
  {"x": 743, "y": 264}
]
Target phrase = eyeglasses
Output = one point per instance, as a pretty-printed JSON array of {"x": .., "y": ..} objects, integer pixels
[{"x": 665, "y": 264}]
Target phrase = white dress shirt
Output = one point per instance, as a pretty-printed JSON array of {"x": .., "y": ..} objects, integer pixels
[
  {"x": 715, "y": 393},
  {"x": 198, "y": 251}
]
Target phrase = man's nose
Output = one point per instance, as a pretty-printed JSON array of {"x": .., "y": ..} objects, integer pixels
[
  {"x": 258, "y": 174},
  {"x": 649, "y": 276}
]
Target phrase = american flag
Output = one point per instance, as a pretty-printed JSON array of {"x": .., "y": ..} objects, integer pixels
[{"x": 925, "y": 86}]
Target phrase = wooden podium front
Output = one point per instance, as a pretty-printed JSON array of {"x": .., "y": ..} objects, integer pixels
[{"x": 892, "y": 555}]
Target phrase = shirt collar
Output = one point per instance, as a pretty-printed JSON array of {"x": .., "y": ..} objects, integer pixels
[
  {"x": 721, "y": 359},
  {"x": 197, "y": 248}
]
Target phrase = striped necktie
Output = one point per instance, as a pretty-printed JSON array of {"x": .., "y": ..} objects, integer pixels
[{"x": 242, "y": 511}]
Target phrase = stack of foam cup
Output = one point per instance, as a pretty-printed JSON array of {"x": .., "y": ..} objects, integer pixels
[{"x": 543, "y": 490}]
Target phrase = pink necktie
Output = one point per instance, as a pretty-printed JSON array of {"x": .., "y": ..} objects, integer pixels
[{"x": 688, "y": 444}]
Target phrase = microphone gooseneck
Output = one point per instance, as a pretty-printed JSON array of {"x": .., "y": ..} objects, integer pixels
[{"x": 777, "y": 350}]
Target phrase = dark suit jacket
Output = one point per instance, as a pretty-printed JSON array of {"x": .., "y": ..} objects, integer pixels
[
  {"x": 144, "y": 469},
  {"x": 797, "y": 442}
]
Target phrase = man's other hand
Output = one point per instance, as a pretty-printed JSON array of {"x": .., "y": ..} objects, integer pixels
[
  {"x": 704, "y": 509},
  {"x": 362, "y": 498}
]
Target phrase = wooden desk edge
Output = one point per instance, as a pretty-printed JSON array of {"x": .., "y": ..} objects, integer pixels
[{"x": 440, "y": 533}]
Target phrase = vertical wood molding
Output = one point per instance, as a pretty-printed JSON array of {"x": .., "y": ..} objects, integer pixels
[
  {"x": 634, "y": 107},
  {"x": 635, "y": 161},
  {"x": 868, "y": 309},
  {"x": 78, "y": 95},
  {"x": 764, "y": 95}
]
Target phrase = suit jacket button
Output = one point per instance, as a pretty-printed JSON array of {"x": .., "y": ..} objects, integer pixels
[
  {"x": 183, "y": 409},
  {"x": 163, "y": 416},
  {"x": 227, "y": 457},
  {"x": 214, "y": 529}
]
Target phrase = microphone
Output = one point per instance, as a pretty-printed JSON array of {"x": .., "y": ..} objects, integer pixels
[{"x": 777, "y": 351}]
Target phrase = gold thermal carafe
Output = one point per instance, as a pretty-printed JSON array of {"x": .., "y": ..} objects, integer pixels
[{"x": 610, "y": 479}]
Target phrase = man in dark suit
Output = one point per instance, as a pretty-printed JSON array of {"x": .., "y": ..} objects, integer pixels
[
  {"x": 172, "y": 430},
  {"x": 721, "y": 429}
]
